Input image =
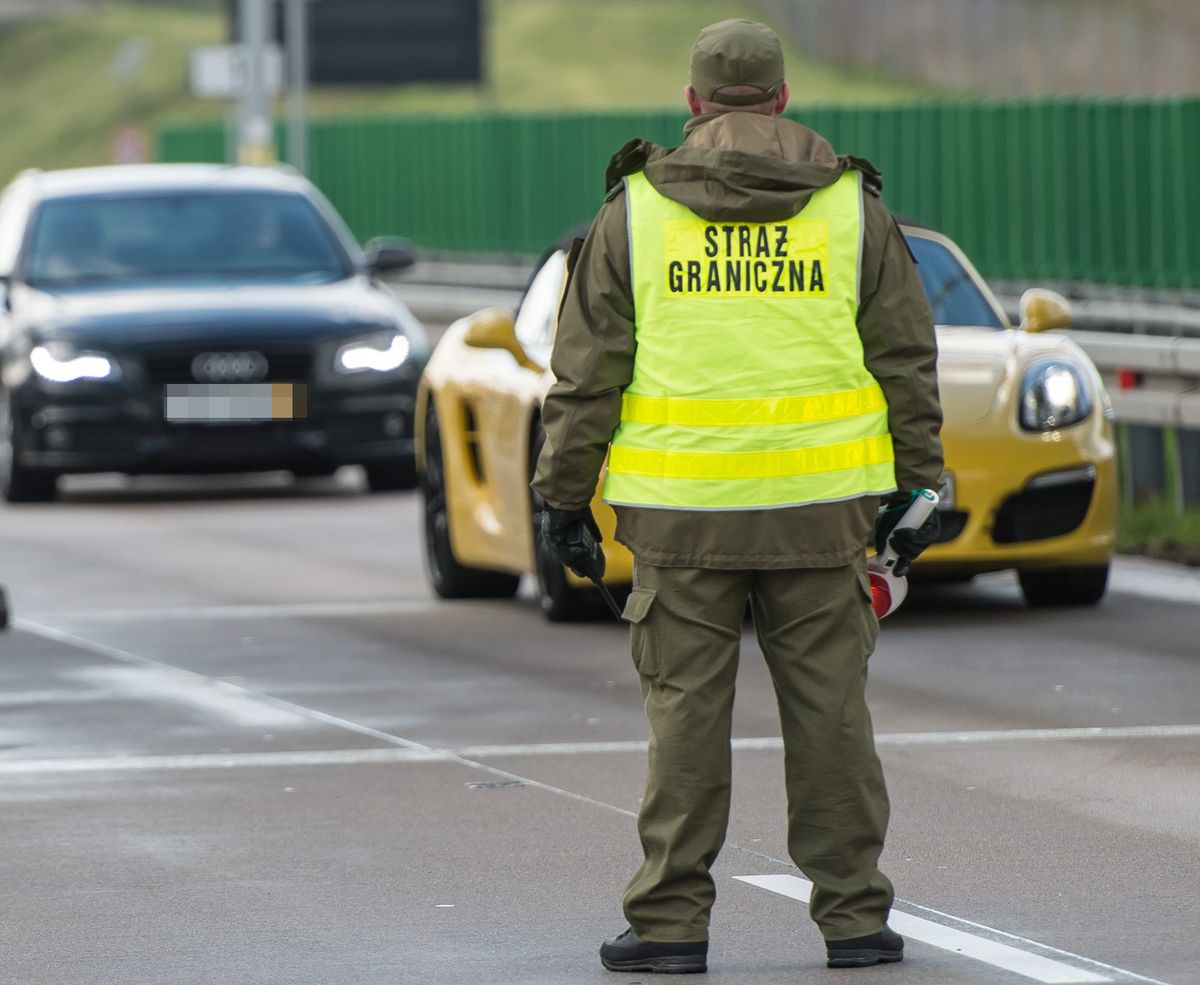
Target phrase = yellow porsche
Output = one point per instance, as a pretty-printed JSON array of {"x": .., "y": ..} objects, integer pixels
[{"x": 1030, "y": 478}]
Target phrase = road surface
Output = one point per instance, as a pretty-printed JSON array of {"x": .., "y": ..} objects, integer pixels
[{"x": 241, "y": 743}]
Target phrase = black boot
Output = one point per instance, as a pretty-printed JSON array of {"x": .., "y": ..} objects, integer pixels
[
  {"x": 628, "y": 952},
  {"x": 862, "y": 952}
]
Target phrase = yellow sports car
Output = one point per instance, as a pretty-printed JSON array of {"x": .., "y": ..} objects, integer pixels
[{"x": 1029, "y": 484}]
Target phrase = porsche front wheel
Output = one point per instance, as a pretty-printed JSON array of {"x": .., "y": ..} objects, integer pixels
[
  {"x": 1064, "y": 586},
  {"x": 450, "y": 579}
]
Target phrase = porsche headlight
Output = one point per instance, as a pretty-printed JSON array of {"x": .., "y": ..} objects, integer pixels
[
  {"x": 1054, "y": 394},
  {"x": 380, "y": 353},
  {"x": 66, "y": 366}
]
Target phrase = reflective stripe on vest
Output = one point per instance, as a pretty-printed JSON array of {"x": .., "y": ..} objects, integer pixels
[{"x": 749, "y": 389}]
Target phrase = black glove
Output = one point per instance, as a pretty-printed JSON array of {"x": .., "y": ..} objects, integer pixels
[
  {"x": 573, "y": 537},
  {"x": 907, "y": 543}
]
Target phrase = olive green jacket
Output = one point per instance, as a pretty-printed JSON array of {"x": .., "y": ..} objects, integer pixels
[{"x": 749, "y": 168}]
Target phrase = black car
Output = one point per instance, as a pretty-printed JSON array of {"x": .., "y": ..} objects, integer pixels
[{"x": 194, "y": 318}]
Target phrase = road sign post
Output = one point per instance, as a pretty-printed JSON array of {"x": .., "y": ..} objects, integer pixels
[
  {"x": 256, "y": 144},
  {"x": 296, "y": 34}
]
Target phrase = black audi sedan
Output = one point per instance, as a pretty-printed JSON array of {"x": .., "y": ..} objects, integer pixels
[{"x": 197, "y": 318}]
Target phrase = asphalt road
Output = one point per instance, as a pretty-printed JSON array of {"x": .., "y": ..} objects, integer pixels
[{"x": 241, "y": 743}]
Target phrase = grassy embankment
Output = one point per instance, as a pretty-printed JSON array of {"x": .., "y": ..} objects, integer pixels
[
  {"x": 60, "y": 99},
  {"x": 1158, "y": 530},
  {"x": 1156, "y": 527}
]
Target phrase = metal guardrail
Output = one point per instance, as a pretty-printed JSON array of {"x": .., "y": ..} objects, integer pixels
[{"x": 1153, "y": 381}]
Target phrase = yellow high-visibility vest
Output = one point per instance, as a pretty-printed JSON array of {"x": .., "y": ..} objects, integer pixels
[{"x": 749, "y": 389}]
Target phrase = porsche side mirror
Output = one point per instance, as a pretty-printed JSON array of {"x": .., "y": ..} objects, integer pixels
[
  {"x": 493, "y": 329},
  {"x": 1043, "y": 310},
  {"x": 387, "y": 255}
]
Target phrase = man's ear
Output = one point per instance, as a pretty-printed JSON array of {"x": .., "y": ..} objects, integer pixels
[
  {"x": 693, "y": 100},
  {"x": 781, "y": 102}
]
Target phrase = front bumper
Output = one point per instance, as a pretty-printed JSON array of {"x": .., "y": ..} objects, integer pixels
[
  {"x": 1027, "y": 501},
  {"x": 81, "y": 427}
]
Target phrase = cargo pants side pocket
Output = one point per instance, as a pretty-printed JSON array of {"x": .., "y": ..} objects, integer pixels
[{"x": 642, "y": 638}]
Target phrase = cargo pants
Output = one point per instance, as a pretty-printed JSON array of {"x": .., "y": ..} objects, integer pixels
[{"x": 816, "y": 628}]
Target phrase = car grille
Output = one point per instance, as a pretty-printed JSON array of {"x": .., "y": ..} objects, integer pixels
[
  {"x": 235, "y": 443},
  {"x": 353, "y": 429},
  {"x": 283, "y": 365},
  {"x": 1036, "y": 514}
]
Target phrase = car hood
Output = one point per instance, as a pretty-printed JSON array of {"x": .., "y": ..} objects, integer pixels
[
  {"x": 147, "y": 315},
  {"x": 979, "y": 369}
]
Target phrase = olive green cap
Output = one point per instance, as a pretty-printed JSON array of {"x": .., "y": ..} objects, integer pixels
[{"x": 737, "y": 53}]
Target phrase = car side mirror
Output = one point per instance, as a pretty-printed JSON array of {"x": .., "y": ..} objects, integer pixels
[
  {"x": 1043, "y": 310},
  {"x": 493, "y": 329},
  {"x": 387, "y": 255}
]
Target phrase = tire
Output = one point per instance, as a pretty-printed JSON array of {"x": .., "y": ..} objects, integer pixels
[
  {"x": 19, "y": 484},
  {"x": 1064, "y": 586},
  {"x": 449, "y": 579},
  {"x": 4, "y": 610},
  {"x": 560, "y": 600},
  {"x": 394, "y": 476}
]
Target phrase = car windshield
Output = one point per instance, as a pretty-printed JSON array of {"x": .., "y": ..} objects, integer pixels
[
  {"x": 257, "y": 236},
  {"x": 953, "y": 294}
]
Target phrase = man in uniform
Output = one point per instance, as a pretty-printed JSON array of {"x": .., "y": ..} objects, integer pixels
[{"x": 745, "y": 327}]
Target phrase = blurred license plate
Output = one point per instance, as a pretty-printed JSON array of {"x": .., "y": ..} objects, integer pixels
[{"x": 232, "y": 402}]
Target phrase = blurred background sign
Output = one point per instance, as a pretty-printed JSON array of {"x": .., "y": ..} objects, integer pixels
[
  {"x": 387, "y": 42},
  {"x": 219, "y": 71}
]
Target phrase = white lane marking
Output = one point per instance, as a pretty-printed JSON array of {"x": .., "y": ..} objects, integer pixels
[
  {"x": 1119, "y": 972},
  {"x": 1083, "y": 733},
  {"x": 299, "y": 610},
  {"x": 1155, "y": 580},
  {"x": 553, "y": 748},
  {"x": 417, "y": 753},
  {"x": 237, "y": 760},
  {"x": 61, "y": 696},
  {"x": 183, "y": 688},
  {"x": 774, "y": 742},
  {"x": 124, "y": 656},
  {"x": 1040, "y": 969}
]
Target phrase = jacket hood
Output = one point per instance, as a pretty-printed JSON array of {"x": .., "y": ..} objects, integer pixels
[{"x": 740, "y": 166}]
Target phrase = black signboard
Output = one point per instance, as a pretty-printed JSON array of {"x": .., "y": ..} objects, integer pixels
[{"x": 389, "y": 41}]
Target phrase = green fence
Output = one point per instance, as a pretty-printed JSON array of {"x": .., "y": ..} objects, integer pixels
[{"x": 1063, "y": 190}]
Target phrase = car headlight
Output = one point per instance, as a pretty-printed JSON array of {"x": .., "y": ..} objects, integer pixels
[
  {"x": 1054, "y": 394},
  {"x": 379, "y": 353},
  {"x": 61, "y": 366}
]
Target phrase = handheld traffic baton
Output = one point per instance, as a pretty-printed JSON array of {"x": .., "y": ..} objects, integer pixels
[
  {"x": 888, "y": 590},
  {"x": 598, "y": 579},
  {"x": 608, "y": 599}
]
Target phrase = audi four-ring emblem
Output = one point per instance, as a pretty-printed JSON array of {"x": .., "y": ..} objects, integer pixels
[{"x": 229, "y": 367}]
